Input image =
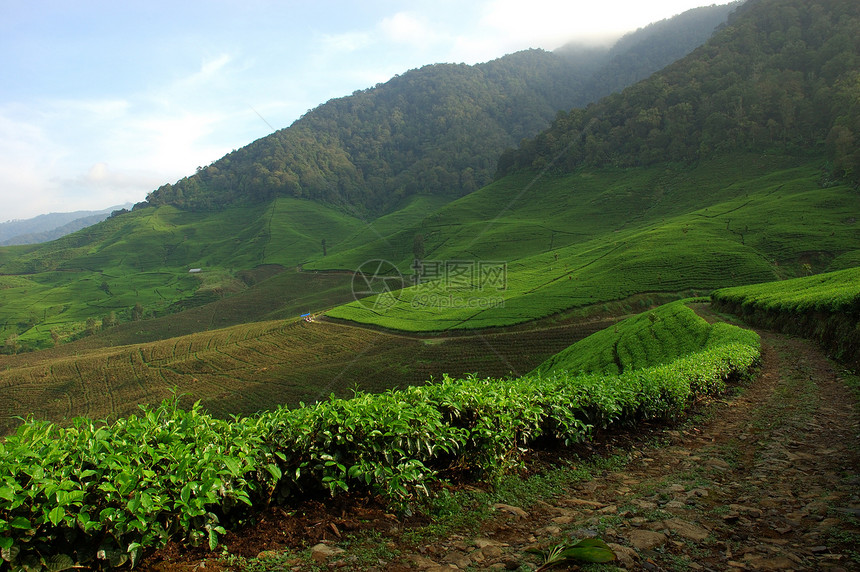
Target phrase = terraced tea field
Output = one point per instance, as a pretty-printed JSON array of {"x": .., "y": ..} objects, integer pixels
[
  {"x": 594, "y": 237},
  {"x": 649, "y": 339},
  {"x": 247, "y": 368}
]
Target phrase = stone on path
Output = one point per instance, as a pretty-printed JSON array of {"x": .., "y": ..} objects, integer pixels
[
  {"x": 322, "y": 552},
  {"x": 646, "y": 539},
  {"x": 686, "y": 529},
  {"x": 514, "y": 510}
]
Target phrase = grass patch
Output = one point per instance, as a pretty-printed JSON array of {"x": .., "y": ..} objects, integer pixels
[{"x": 631, "y": 231}]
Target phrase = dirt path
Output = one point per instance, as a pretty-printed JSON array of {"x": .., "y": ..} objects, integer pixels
[
  {"x": 769, "y": 482},
  {"x": 766, "y": 480}
]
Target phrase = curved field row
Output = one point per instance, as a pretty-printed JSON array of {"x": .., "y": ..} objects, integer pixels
[
  {"x": 167, "y": 466},
  {"x": 244, "y": 369},
  {"x": 646, "y": 340},
  {"x": 825, "y": 307},
  {"x": 830, "y": 292}
]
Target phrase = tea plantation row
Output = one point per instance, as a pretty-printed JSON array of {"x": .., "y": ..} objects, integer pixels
[
  {"x": 824, "y": 307},
  {"x": 99, "y": 494}
]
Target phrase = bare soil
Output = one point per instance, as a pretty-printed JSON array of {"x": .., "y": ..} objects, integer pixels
[{"x": 765, "y": 479}]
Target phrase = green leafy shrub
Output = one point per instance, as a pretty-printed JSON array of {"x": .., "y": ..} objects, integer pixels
[
  {"x": 98, "y": 494},
  {"x": 824, "y": 307}
]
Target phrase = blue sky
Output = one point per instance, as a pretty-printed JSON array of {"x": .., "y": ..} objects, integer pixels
[{"x": 101, "y": 102}]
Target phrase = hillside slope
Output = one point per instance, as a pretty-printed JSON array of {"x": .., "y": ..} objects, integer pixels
[
  {"x": 782, "y": 74},
  {"x": 435, "y": 130},
  {"x": 760, "y": 184},
  {"x": 597, "y": 235}
]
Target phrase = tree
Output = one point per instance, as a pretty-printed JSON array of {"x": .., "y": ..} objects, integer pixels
[
  {"x": 324, "y": 248},
  {"x": 12, "y": 345},
  {"x": 92, "y": 326},
  {"x": 109, "y": 321},
  {"x": 418, "y": 246},
  {"x": 137, "y": 312}
]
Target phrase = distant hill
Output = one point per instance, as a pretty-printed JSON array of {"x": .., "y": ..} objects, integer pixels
[
  {"x": 47, "y": 227},
  {"x": 781, "y": 76},
  {"x": 435, "y": 130}
]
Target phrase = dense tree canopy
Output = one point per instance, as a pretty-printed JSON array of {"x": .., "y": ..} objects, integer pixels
[
  {"x": 439, "y": 129},
  {"x": 782, "y": 74}
]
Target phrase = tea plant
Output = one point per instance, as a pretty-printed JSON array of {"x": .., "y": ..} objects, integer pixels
[{"x": 97, "y": 494}]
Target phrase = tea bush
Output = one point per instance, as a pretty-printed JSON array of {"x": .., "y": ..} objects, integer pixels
[{"x": 98, "y": 494}]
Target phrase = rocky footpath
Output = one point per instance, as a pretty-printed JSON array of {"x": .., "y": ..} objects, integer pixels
[
  {"x": 767, "y": 479},
  {"x": 771, "y": 481}
]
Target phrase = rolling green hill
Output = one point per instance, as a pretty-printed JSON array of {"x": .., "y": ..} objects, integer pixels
[
  {"x": 605, "y": 234},
  {"x": 761, "y": 183},
  {"x": 145, "y": 257},
  {"x": 555, "y": 236}
]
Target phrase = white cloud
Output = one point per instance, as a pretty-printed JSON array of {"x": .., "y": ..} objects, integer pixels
[
  {"x": 176, "y": 143},
  {"x": 335, "y": 45},
  {"x": 408, "y": 28},
  {"x": 102, "y": 187},
  {"x": 552, "y": 23},
  {"x": 26, "y": 155},
  {"x": 212, "y": 67}
]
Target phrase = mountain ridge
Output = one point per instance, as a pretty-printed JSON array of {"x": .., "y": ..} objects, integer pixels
[
  {"x": 50, "y": 226},
  {"x": 438, "y": 129},
  {"x": 779, "y": 76}
]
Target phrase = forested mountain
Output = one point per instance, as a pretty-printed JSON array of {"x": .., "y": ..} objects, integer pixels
[
  {"x": 783, "y": 74},
  {"x": 434, "y": 130},
  {"x": 639, "y": 54}
]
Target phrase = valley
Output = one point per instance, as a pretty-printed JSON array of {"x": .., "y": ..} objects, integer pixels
[{"x": 455, "y": 280}]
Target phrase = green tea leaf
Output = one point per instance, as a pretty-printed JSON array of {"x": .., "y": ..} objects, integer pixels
[
  {"x": 59, "y": 562},
  {"x": 213, "y": 539},
  {"x": 232, "y": 466},
  {"x": 20, "y": 522},
  {"x": 56, "y": 515},
  {"x": 275, "y": 471}
]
